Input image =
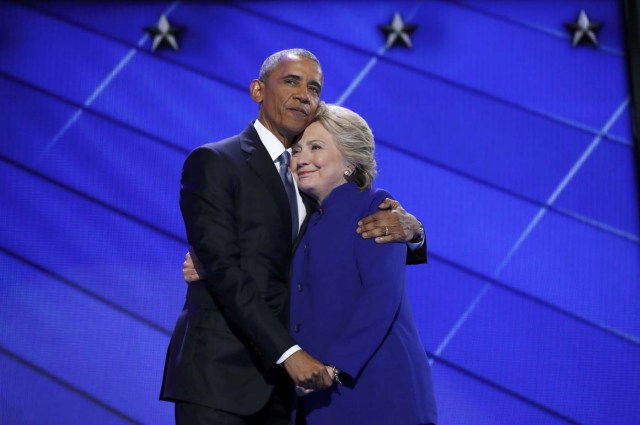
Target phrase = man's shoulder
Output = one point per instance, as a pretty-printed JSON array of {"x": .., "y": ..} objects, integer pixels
[
  {"x": 229, "y": 146},
  {"x": 224, "y": 145}
]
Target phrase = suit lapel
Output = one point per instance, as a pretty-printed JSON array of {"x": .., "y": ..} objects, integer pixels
[{"x": 260, "y": 162}]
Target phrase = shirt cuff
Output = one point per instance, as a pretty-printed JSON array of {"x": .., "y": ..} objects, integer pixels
[{"x": 288, "y": 354}]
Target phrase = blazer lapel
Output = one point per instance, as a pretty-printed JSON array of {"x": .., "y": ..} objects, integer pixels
[
  {"x": 260, "y": 162},
  {"x": 312, "y": 207}
]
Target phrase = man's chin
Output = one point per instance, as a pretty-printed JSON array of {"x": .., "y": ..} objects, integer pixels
[{"x": 297, "y": 127}]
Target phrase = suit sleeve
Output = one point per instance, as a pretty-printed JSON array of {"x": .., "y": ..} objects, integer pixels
[
  {"x": 382, "y": 274},
  {"x": 419, "y": 256},
  {"x": 207, "y": 194}
]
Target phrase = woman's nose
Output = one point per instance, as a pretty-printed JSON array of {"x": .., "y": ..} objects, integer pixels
[{"x": 301, "y": 158}]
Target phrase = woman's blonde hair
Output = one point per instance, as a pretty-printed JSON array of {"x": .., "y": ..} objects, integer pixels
[{"x": 354, "y": 140}]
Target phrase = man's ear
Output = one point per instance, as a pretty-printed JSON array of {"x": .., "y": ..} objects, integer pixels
[{"x": 255, "y": 90}]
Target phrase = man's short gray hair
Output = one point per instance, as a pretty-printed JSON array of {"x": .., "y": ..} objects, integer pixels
[{"x": 272, "y": 61}]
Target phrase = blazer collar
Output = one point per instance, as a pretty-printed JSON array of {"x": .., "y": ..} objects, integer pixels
[{"x": 312, "y": 207}]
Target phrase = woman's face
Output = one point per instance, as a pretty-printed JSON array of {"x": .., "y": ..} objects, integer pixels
[{"x": 317, "y": 163}]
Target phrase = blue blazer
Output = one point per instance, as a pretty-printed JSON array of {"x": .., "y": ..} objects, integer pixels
[{"x": 349, "y": 308}]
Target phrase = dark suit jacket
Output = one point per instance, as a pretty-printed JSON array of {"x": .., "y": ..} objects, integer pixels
[{"x": 234, "y": 325}]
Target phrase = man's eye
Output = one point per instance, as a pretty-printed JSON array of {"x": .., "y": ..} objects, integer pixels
[{"x": 314, "y": 89}]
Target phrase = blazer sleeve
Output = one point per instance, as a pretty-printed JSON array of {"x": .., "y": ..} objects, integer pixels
[
  {"x": 207, "y": 204},
  {"x": 381, "y": 271},
  {"x": 419, "y": 256}
]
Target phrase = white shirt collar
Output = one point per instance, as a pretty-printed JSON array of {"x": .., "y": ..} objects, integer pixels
[
  {"x": 275, "y": 149},
  {"x": 271, "y": 142}
]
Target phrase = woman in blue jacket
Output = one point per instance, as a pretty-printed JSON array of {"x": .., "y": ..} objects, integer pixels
[{"x": 349, "y": 305}]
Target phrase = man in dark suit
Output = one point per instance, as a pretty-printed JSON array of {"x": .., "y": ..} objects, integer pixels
[{"x": 231, "y": 352}]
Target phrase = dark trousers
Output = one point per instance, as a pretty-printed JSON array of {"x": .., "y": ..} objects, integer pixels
[{"x": 274, "y": 413}]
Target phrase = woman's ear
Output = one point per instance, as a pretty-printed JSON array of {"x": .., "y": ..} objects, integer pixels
[{"x": 349, "y": 170}]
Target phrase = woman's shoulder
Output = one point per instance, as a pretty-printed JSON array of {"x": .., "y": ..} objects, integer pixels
[{"x": 375, "y": 196}]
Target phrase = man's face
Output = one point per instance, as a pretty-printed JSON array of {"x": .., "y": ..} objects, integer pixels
[{"x": 289, "y": 97}]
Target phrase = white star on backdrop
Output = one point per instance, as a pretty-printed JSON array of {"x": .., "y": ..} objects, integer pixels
[
  {"x": 164, "y": 34},
  {"x": 584, "y": 30},
  {"x": 398, "y": 32}
]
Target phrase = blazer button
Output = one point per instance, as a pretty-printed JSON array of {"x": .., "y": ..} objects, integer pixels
[
  {"x": 299, "y": 287},
  {"x": 296, "y": 328}
]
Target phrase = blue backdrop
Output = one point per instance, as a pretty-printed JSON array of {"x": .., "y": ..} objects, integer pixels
[{"x": 513, "y": 147}]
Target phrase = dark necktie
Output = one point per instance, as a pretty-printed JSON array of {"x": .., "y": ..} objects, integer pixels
[{"x": 287, "y": 179}]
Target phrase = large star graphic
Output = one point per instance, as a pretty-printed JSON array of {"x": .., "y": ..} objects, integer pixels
[
  {"x": 164, "y": 35},
  {"x": 584, "y": 31},
  {"x": 398, "y": 32}
]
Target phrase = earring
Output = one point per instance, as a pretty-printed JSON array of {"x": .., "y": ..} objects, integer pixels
[{"x": 347, "y": 173}]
